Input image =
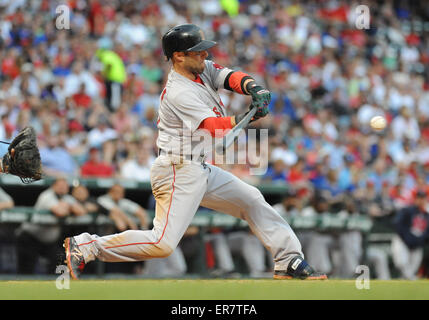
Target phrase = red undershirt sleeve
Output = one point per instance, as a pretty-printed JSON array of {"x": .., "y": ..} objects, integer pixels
[
  {"x": 221, "y": 124},
  {"x": 234, "y": 81}
]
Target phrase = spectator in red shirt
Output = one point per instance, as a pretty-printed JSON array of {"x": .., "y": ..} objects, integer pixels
[
  {"x": 95, "y": 168},
  {"x": 80, "y": 98},
  {"x": 10, "y": 64}
]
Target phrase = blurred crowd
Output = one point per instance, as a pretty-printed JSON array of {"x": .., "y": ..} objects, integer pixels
[{"x": 91, "y": 90}]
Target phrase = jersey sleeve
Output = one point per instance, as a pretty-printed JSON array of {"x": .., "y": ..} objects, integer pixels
[
  {"x": 217, "y": 74},
  {"x": 190, "y": 109}
]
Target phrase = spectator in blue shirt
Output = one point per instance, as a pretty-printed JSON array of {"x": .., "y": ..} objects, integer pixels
[
  {"x": 276, "y": 173},
  {"x": 281, "y": 105},
  {"x": 331, "y": 191},
  {"x": 56, "y": 160}
]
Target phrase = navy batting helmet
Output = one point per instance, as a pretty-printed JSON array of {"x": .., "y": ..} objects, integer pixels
[{"x": 184, "y": 38}]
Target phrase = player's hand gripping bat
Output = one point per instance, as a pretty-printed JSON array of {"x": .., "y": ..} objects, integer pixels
[{"x": 232, "y": 135}]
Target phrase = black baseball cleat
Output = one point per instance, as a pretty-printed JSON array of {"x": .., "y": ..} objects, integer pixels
[
  {"x": 298, "y": 268},
  {"x": 74, "y": 258}
]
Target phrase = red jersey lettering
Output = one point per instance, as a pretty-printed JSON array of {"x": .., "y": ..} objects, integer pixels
[{"x": 216, "y": 111}]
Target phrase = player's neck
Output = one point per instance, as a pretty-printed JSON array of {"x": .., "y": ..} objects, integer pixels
[{"x": 184, "y": 72}]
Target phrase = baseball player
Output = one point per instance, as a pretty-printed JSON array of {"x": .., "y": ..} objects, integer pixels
[{"x": 182, "y": 181}]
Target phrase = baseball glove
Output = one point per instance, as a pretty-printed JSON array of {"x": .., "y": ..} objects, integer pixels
[{"x": 23, "y": 158}]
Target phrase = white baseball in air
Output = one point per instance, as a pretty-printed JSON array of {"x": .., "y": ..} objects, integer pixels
[{"x": 378, "y": 123}]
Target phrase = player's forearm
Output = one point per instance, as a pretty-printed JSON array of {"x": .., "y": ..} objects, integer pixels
[
  {"x": 238, "y": 81},
  {"x": 216, "y": 125},
  {"x": 247, "y": 85},
  {"x": 242, "y": 83}
]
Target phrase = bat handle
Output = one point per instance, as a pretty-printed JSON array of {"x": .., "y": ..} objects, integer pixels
[{"x": 241, "y": 125}]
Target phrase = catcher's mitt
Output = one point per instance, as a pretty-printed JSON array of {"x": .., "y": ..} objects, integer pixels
[{"x": 23, "y": 158}]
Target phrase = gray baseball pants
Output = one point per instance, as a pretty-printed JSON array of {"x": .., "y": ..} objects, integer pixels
[{"x": 180, "y": 187}]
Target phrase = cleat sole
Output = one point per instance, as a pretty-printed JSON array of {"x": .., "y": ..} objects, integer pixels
[
  {"x": 66, "y": 245},
  {"x": 315, "y": 278}
]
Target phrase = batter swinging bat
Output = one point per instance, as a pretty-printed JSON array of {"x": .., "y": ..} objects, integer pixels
[{"x": 232, "y": 135}]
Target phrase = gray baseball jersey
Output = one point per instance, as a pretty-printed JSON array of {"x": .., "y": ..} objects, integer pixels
[
  {"x": 180, "y": 185},
  {"x": 184, "y": 104}
]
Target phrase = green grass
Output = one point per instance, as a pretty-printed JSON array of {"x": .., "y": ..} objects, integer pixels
[{"x": 213, "y": 290}]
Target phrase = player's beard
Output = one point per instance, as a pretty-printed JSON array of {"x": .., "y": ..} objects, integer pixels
[{"x": 196, "y": 70}]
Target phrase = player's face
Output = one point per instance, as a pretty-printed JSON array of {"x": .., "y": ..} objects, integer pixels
[{"x": 194, "y": 61}]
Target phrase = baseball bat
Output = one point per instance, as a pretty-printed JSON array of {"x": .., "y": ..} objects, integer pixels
[{"x": 232, "y": 135}]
